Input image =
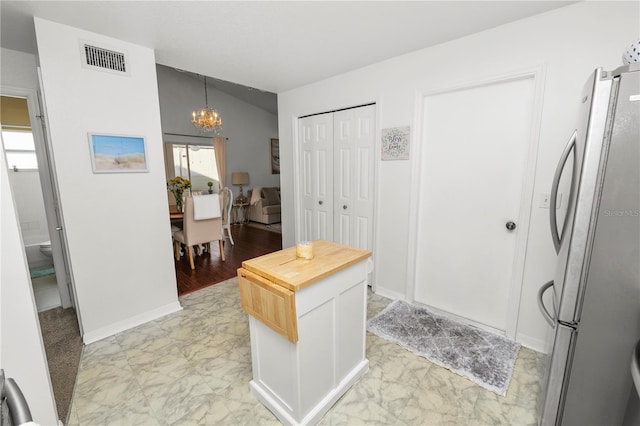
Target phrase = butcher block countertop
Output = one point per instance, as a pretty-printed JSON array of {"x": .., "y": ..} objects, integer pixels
[{"x": 283, "y": 268}]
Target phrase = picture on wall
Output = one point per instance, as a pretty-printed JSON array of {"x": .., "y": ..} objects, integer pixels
[
  {"x": 395, "y": 143},
  {"x": 275, "y": 156},
  {"x": 117, "y": 153}
]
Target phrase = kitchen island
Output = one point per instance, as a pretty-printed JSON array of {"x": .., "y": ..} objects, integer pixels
[{"x": 307, "y": 322}]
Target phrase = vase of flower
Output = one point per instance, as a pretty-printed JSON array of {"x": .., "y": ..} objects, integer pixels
[
  {"x": 177, "y": 186},
  {"x": 210, "y": 185},
  {"x": 178, "y": 195}
]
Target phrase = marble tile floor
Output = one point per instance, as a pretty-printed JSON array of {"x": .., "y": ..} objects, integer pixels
[{"x": 193, "y": 368}]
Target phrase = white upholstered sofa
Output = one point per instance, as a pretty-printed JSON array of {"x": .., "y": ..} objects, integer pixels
[{"x": 264, "y": 205}]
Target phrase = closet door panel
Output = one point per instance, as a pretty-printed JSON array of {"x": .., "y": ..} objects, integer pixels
[
  {"x": 363, "y": 225},
  {"x": 343, "y": 233},
  {"x": 354, "y": 141},
  {"x": 336, "y": 178},
  {"x": 316, "y": 176},
  {"x": 343, "y": 189}
]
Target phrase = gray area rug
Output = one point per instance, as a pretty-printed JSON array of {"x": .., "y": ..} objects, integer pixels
[
  {"x": 274, "y": 227},
  {"x": 483, "y": 357}
]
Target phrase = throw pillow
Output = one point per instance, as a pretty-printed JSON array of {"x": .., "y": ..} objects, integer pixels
[{"x": 271, "y": 196}]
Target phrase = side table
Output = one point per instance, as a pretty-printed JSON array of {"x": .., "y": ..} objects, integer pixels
[{"x": 239, "y": 213}]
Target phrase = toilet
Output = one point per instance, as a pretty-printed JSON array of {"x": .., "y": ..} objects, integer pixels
[{"x": 45, "y": 248}]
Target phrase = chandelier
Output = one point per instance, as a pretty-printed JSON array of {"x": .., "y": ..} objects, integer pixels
[{"x": 207, "y": 119}]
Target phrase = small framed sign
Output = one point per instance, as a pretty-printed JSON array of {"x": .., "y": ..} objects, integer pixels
[
  {"x": 117, "y": 153},
  {"x": 395, "y": 143}
]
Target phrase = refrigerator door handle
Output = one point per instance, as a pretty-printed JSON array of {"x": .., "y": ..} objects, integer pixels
[
  {"x": 555, "y": 235},
  {"x": 545, "y": 313}
]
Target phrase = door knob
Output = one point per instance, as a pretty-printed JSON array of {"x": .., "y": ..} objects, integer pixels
[
  {"x": 344, "y": 207},
  {"x": 510, "y": 226},
  {"x": 58, "y": 228},
  {"x": 320, "y": 202}
]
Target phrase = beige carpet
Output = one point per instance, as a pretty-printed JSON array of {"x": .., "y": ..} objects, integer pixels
[{"x": 63, "y": 345}]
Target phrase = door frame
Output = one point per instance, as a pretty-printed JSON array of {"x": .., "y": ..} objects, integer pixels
[
  {"x": 526, "y": 200},
  {"x": 46, "y": 170},
  {"x": 297, "y": 200}
]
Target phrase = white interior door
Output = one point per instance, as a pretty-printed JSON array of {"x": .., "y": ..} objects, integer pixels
[
  {"x": 475, "y": 145},
  {"x": 46, "y": 182},
  {"x": 353, "y": 150},
  {"x": 55, "y": 221},
  {"x": 316, "y": 176}
]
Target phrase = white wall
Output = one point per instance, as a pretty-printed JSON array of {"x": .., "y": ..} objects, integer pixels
[
  {"x": 569, "y": 43},
  {"x": 248, "y": 127},
  {"x": 21, "y": 350},
  {"x": 22, "y": 353},
  {"x": 117, "y": 226},
  {"x": 27, "y": 191},
  {"x": 18, "y": 69}
]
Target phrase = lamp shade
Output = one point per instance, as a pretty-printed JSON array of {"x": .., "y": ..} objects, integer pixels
[{"x": 239, "y": 178}]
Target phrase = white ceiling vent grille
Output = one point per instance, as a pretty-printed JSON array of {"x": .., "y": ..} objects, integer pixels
[{"x": 99, "y": 58}]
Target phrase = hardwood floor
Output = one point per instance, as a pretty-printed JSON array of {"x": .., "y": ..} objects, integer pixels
[{"x": 249, "y": 242}]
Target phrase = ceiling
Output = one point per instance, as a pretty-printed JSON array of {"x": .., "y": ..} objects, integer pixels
[
  {"x": 266, "y": 100},
  {"x": 272, "y": 46}
]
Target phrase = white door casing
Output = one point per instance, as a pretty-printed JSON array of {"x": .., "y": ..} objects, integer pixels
[{"x": 475, "y": 145}]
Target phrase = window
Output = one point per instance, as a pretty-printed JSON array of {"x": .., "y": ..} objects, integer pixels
[
  {"x": 194, "y": 162},
  {"x": 20, "y": 149}
]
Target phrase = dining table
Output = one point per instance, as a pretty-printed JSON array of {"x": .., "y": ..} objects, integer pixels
[{"x": 174, "y": 213}]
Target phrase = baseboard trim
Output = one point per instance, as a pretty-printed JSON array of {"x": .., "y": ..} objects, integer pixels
[
  {"x": 389, "y": 294},
  {"x": 117, "y": 327},
  {"x": 531, "y": 342}
]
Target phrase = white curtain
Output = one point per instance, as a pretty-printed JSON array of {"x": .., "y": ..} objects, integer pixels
[{"x": 219, "y": 147}]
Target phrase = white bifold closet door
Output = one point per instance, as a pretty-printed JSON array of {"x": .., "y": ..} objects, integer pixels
[{"x": 336, "y": 180}]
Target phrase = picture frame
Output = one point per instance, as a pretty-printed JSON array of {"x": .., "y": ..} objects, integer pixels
[
  {"x": 395, "y": 143},
  {"x": 275, "y": 156},
  {"x": 118, "y": 153}
]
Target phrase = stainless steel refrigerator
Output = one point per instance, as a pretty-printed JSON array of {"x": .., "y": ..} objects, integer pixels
[{"x": 594, "y": 301}]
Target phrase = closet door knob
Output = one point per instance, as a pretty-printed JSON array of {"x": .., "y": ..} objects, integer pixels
[
  {"x": 320, "y": 202},
  {"x": 344, "y": 207}
]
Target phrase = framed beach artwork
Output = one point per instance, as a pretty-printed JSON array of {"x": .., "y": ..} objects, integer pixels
[{"x": 117, "y": 153}]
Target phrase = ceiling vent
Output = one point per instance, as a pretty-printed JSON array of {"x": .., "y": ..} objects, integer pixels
[{"x": 99, "y": 58}]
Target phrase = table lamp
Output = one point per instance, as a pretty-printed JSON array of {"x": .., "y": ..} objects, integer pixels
[{"x": 240, "y": 178}]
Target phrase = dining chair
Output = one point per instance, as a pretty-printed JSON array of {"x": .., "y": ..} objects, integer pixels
[
  {"x": 195, "y": 232},
  {"x": 226, "y": 201}
]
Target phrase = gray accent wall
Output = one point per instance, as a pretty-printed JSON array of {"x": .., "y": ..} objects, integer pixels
[{"x": 248, "y": 128}]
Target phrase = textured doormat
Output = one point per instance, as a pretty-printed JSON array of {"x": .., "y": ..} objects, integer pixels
[
  {"x": 482, "y": 357},
  {"x": 41, "y": 271}
]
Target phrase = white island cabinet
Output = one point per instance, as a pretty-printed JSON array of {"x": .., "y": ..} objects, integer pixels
[{"x": 307, "y": 322}]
